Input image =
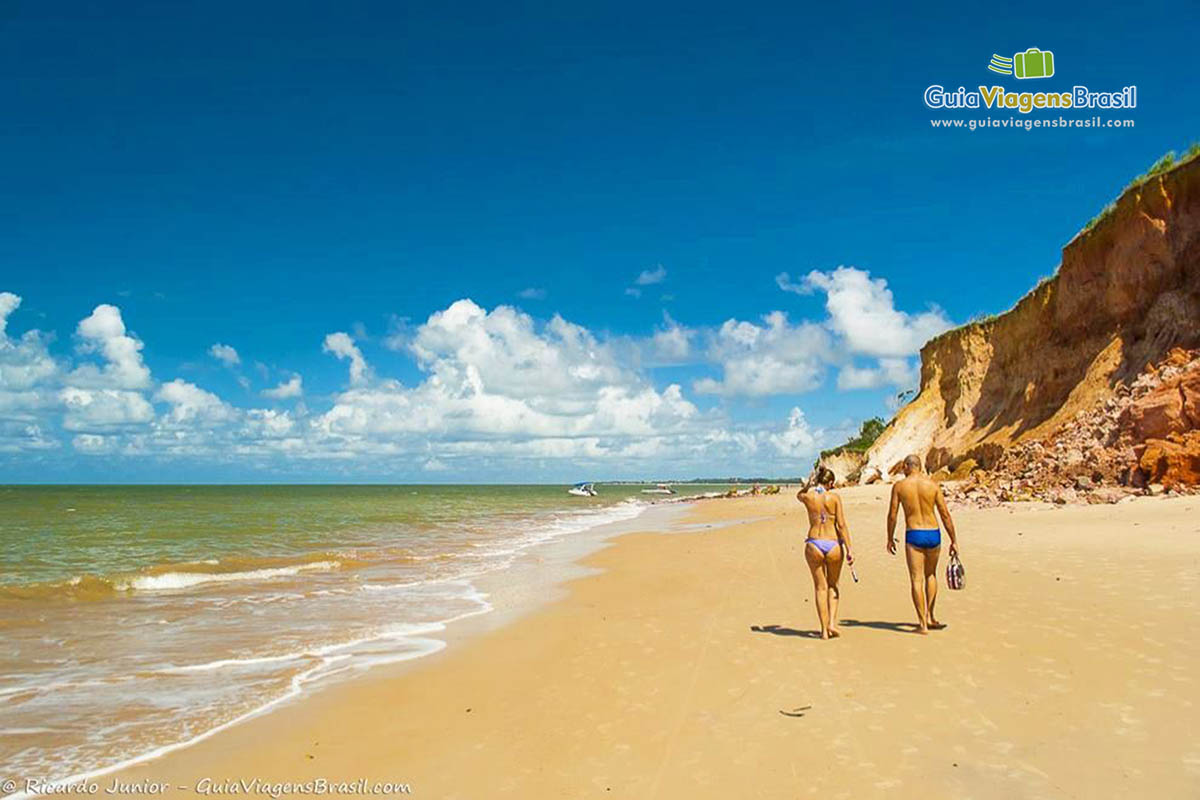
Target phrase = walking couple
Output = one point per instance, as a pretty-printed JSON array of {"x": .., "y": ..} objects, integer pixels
[{"x": 828, "y": 544}]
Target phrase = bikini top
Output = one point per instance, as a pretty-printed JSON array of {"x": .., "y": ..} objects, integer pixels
[{"x": 824, "y": 516}]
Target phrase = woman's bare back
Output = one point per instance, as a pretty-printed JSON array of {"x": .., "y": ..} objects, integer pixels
[{"x": 822, "y": 507}]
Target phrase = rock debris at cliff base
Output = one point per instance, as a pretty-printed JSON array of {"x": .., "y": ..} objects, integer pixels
[{"x": 1144, "y": 439}]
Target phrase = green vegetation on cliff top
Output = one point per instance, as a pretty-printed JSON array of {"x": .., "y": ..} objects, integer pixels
[
  {"x": 1165, "y": 164},
  {"x": 867, "y": 434}
]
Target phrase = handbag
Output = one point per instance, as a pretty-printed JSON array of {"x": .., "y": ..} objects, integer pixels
[{"x": 956, "y": 573}]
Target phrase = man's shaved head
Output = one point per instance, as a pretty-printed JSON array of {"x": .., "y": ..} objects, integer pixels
[{"x": 912, "y": 463}]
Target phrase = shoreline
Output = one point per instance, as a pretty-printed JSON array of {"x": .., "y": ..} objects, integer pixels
[
  {"x": 540, "y": 574},
  {"x": 667, "y": 655}
]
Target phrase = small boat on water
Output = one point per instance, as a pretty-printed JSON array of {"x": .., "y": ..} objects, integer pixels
[
  {"x": 661, "y": 488},
  {"x": 583, "y": 490}
]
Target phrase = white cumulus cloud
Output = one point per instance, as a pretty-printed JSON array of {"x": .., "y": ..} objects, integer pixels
[
  {"x": 649, "y": 277},
  {"x": 862, "y": 311},
  {"x": 292, "y": 387},
  {"x": 775, "y": 357},
  {"x": 190, "y": 403},
  {"x": 798, "y": 439},
  {"x": 102, "y": 409},
  {"x": 342, "y": 345},
  {"x": 104, "y": 332},
  {"x": 25, "y": 363},
  {"x": 498, "y": 379},
  {"x": 784, "y": 281},
  {"x": 226, "y": 354},
  {"x": 671, "y": 343},
  {"x": 898, "y": 372},
  {"x": 8, "y": 304}
]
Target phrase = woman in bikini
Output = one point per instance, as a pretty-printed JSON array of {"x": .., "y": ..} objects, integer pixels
[{"x": 827, "y": 545}]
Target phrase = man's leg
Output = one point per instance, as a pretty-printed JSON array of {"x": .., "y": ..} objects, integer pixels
[
  {"x": 931, "y": 584},
  {"x": 816, "y": 565},
  {"x": 916, "y": 578},
  {"x": 833, "y": 572}
]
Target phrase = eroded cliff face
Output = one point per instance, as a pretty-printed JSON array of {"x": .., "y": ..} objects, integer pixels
[
  {"x": 846, "y": 465},
  {"x": 1128, "y": 291}
]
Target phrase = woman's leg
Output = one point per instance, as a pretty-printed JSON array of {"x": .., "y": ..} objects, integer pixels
[
  {"x": 833, "y": 572},
  {"x": 916, "y": 576},
  {"x": 816, "y": 565}
]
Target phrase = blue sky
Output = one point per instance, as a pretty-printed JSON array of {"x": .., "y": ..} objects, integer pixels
[{"x": 266, "y": 175}]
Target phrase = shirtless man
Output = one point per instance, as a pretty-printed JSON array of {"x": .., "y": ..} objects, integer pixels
[{"x": 920, "y": 495}]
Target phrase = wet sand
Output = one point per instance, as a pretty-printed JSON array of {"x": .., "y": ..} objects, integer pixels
[{"x": 688, "y": 666}]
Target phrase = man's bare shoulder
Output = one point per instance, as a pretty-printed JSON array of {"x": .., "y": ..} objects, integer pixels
[{"x": 928, "y": 485}]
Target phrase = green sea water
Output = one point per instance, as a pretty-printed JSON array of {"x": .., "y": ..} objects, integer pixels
[
  {"x": 55, "y": 533},
  {"x": 209, "y": 603}
]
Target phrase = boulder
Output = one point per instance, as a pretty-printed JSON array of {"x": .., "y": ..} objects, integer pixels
[
  {"x": 986, "y": 455},
  {"x": 1178, "y": 357},
  {"x": 936, "y": 458},
  {"x": 1173, "y": 407},
  {"x": 1173, "y": 461},
  {"x": 963, "y": 469},
  {"x": 1107, "y": 495},
  {"x": 869, "y": 475}
]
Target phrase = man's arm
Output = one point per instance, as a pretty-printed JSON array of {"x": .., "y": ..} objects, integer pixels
[
  {"x": 891, "y": 520},
  {"x": 947, "y": 520},
  {"x": 843, "y": 530}
]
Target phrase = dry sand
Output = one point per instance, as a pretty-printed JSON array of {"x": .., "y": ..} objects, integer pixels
[{"x": 1071, "y": 668}]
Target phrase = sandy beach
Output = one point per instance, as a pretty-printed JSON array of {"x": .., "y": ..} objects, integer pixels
[{"x": 687, "y": 667}]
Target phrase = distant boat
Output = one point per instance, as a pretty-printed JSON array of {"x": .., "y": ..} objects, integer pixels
[
  {"x": 583, "y": 490},
  {"x": 661, "y": 488}
]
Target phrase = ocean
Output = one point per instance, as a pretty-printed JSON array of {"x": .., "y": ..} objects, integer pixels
[{"x": 134, "y": 619}]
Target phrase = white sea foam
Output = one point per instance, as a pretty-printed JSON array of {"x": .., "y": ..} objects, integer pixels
[
  {"x": 411, "y": 634},
  {"x": 168, "y": 581}
]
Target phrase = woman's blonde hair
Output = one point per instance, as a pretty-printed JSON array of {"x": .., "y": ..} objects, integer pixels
[{"x": 823, "y": 477}]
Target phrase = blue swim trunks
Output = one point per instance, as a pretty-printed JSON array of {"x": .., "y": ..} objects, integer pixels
[{"x": 926, "y": 539}]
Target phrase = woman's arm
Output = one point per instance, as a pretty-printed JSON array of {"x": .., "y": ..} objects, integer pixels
[{"x": 843, "y": 529}]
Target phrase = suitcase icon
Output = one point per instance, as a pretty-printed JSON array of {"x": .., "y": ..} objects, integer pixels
[{"x": 1033, "y": 63}]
